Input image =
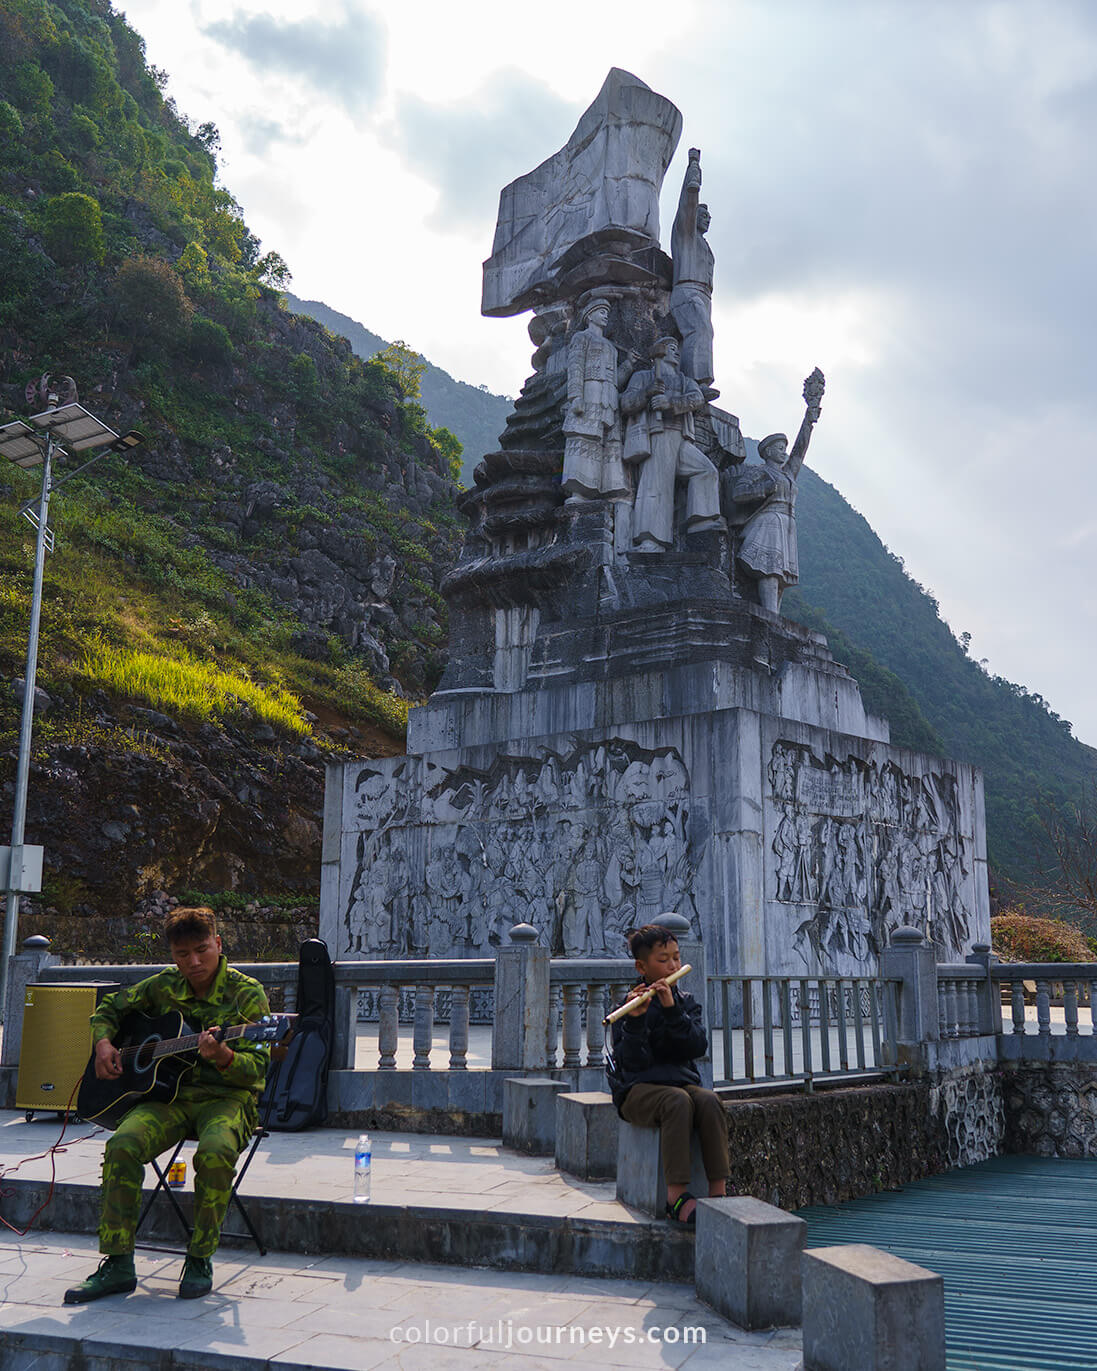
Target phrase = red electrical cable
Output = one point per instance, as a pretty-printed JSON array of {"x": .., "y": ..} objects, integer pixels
[{"x": 51, "y": 1152}]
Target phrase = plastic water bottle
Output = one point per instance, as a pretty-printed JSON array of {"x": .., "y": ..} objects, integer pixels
[{"x": 361, "y": 1170}]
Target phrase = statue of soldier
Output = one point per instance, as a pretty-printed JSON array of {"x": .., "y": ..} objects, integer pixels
[
  {"x": 691, "y": 296},
  {"x": 592, "y": 432},
  {"x": 659, "y": 404}
]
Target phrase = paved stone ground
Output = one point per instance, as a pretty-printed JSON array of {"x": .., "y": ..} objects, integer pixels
[
  {"x": 408, "y": 1168},
  {"x": 283, "y": 1311}
]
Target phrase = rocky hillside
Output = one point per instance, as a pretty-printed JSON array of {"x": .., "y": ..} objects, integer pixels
[{"x": 255, "y": 587}]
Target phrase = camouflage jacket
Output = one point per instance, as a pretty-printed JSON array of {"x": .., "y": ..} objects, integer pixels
[{"x": 233, "y": 999}]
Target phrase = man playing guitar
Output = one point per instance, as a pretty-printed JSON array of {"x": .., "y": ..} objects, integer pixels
[{"x": 216, "y": 1101}]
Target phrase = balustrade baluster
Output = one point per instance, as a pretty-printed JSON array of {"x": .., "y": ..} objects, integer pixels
[
  {"x": 1070, "y": 1007},
  {"x": 874, "y": 1015},
  {"x": 891, "y": 1021},
  {"x": 573, "y": 1025},
  {"x": 1017, "y": 1005},
  {"x": 748, "y": 1029},
  {"x": 859, "y": 1023},
  {"x": 805, "y": 1029},
  {"x": 767, "y": 1026},
  {"x": 953, "y": 993},
  {"x": 843, "y": 1042},
  {"x": 423, "y": 1032},
  {"x": 1043, "y": 1008},
  {"x": 1093, "y": 1007},
  {"x": 596, "y": 1033},
  {"x": 459, "y": 1028},
  {"x": 786, "y": 1027},
  {"x": 725, "y": 1020},
  {"x": 824, "y": 1024},
  {"x": 552, "y": 1027},
  {"x": 388, "y": 1026},
  {"x": 966, "y": 990}
]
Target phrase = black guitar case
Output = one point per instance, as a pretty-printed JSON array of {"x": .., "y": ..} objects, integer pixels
[{"x": 297, "y": 1091}]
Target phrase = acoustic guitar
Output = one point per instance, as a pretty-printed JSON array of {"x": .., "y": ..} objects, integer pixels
[{"x": 156, "y": 1055}]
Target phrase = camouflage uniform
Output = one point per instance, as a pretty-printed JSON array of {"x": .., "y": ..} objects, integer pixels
[{"x": 218, "y": 1107}]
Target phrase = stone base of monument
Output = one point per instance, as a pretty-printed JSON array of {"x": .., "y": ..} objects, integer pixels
[
  {"x": 529, "y": 1114},
  {"x": 640, "y": 1182},
  {"x": 587, "y": 1126},
  {"x": 865, "y": 1308},
  {"x": 747, "y": 1261}
]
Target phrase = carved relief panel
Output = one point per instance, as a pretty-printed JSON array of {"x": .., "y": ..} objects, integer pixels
[
  {"x": 863, "y": 848},
  {"x": 583, "y": 846}
]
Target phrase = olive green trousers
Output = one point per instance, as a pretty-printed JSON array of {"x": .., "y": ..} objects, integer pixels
[{"x": 222, "y": 1123}]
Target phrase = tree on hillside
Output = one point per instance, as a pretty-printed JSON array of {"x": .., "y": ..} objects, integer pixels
[
  {"x": 151, "y": 296},
  {"x": 1072, "y": 831},
  {"x": 406, "y": 365},
  {"x": 73, "y": 230}
]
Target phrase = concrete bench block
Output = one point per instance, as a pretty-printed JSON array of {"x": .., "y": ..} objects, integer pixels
[
  {"x": 865, "y": 1308},
  {"x": 640, "y": 1181},
  {"x": 747, "y": 1264},
  {"x": 529, "y": 1113},
  {"x": 586, "y": 1134}
]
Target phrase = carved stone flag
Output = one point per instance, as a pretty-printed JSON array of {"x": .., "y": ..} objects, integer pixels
[{"x": 606, "y": 177}]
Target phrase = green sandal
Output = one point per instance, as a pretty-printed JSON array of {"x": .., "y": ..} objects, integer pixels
[{"x": 674, "y": 1210}]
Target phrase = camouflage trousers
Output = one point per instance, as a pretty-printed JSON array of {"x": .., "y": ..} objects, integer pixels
[{"x": 222, "y": 1123}]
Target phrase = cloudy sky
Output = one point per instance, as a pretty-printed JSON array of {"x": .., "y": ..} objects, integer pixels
[{"x": 902, "y": 194}]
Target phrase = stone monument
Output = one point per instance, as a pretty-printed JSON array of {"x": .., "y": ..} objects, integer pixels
[{"x": 627, "y": 724}]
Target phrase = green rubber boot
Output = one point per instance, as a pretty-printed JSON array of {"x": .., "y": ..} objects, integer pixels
[
  {"x": 197, "y": 1278},
  {"x": 114, "y": 1276}
]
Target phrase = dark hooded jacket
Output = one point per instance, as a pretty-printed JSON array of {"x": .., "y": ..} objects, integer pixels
[{"x": 657, "y": 1047}]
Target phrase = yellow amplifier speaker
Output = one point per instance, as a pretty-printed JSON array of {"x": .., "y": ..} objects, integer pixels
[{"x": 56, "y": 1043}]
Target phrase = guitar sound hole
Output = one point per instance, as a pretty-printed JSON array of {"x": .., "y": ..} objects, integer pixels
[{"x": 144, "y": 1058}]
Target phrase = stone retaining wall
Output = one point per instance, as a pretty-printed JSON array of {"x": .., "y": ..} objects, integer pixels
[
  {"x": 1051, "y": 1109},
  {"x": 968, "y": 1106},
  {"x": 796, "y": 1150}
]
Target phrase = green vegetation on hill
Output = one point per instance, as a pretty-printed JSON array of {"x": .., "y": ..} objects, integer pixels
[
  {"x": 277, "y": 462},
  {"x": 473, "y": 413},
  {"x": 1026, "y": 750}
]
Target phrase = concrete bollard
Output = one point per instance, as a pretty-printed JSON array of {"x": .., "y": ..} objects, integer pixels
[
  {"x": 529, "y": 1114},
  {"x": 640, "y": 1182},
  {"x": 586, "y": 1135},
  {"x": 865, "y": 1310},
  {"x": 747, "y": 1261}
]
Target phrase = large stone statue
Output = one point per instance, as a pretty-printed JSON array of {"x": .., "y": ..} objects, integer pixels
[
  {"x": 768, "y": 550},
  {"x": 626, "y": 723},
  {"x": 691, "y": 294},
  {"x": 592, "y": 432},
  {"x": 659, "y": 404}
]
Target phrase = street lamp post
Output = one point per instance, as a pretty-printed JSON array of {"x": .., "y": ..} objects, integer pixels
[{"x": 28, "y": 447}]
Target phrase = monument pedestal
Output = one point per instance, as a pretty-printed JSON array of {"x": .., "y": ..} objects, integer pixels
[{"x": 760, "y": 802}]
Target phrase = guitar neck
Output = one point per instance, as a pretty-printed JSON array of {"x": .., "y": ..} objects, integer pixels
[{"x": 170, "y": 1047}]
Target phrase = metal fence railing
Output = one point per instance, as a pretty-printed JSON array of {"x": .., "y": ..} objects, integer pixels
[{"x": 778, "y": 1030}]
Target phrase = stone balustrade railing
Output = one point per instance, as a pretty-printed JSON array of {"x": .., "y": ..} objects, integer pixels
[
  {"x": 1075, "y": 983},
  {"x": 574, "y": 995},
  {"x": 961, "y": 994}
]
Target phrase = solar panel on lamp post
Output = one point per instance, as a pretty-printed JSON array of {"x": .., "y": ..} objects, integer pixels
[{"x": 67, "y": 427}]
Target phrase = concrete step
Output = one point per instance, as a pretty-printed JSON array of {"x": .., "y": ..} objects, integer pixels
[{"x": 633, "y": 1248}]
